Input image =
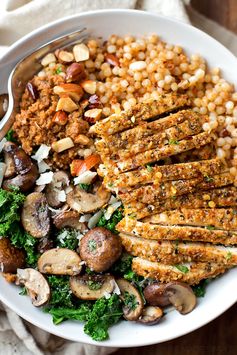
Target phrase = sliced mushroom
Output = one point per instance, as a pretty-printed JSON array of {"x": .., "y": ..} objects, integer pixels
[
  {"x": 69, "y": 219},
  {"x": 133, "y": 303},
  {"x": 91, "y": 287},
  {"x": 150, "y": 315},
  {"x": 10, "y": 166},
  {"x": 24, "y": 182},
  {"x": 11, "y": 258},
  {"x": 20, "y": 171},
  {"x": 155, "y": 295},
  {"x": 85, "y": 202},
  {"x": 59, "y": 182},
  {"x": 36, "y": 285},
  {"x": 60, "y": 261},
  {"x": 35, "y": 215},
  {"x": 100, "y": 248},
  {"x": 181, "y": 296}
]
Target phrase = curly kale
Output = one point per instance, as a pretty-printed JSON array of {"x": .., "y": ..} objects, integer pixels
[
  {"x": 112, "y": 222},
  {"x": 67, "y": 238},
  {"x": 61, "y": 295}
]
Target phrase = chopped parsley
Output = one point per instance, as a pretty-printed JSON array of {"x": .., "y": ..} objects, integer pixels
[
  {"x": 130, "y": 301},
  {"x": 149, "y": 168},
  {"x": 23, "y": 291},
  {"x": 67, "y": 238},
  {"x": 173, "y": 141},
  {"x": 208, "y": 178},
  {"x": 58, "y": 70},
  {"x": 210, "y": 228},
  {"x": 92, "y": 245},
  {"x": 94, "y": 285},
  {"x": 184, "y": 269},
  {"x": 228, "y": 256},
  {"x": 86, "y": 187},
  {"x": 10, "y": 136}
]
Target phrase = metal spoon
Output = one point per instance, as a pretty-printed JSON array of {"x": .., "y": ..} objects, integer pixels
[{"x": 25, "y": 70}]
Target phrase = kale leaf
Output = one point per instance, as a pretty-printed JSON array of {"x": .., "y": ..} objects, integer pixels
[
  {"x": 104, "y": 313},
  {"x": 61, "y": 295},
  {"x": 200, "y": 289},
  {"x": 67, "y": 238},
  {"x": 61, "y": 314},
  {"x": 123, "y": 265},
  {"x": 112, "y": 222},
  {"x": 86, "y": 187},
  {"x": 10, "y": 136}
]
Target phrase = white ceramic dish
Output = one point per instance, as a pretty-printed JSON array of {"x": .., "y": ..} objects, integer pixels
[{"x": 222, "y": 292}]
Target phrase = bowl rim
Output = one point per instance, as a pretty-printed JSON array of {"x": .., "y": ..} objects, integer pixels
[{"x": 18, "y": 44}]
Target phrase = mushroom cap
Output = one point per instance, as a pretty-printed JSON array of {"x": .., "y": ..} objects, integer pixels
[
  {"x": 181, "y": 296},
  {"x": 93, "y": 287},
  {"x": 11, "y": 258},
  {"x": 35, "y": 215},
  {"x": 150, "y": 315},
  {"x": 59, "y": 182},
  {"x": 60, "y": 261},
  {"x": 69, "y": 219},
  {"x": 100, "y": 248},
  {"x": 155, "y": 295},
  {"x": 36, "y": 285},
  {"x": 126, "y": 288},
  {"x": 86, "y": 202}
]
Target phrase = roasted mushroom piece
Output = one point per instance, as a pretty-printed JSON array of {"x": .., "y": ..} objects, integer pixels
[
  {"x": 56, "y": 188},
  {"x": 93, "y": 287},
  {"x": 150, "y": 315},
  {"x": 36, "y": 285},
  {"x": 181, "y": 296},
  {"x": 100, "y": 248},
  {"x": 11, "y": 258},
  {"x": 69, "y": 219},
  {"x": 133, "y": 303},
  {"x": 25, "y": 172},
  {"x": 155, "y": 295},
  {"x": 35, "y": 215},
  {"x": 60, "y": 261},
  {"x": 87, "y": 202}
]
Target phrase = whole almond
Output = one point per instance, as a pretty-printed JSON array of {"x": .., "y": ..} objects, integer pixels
[
  {"x": 60, "y": 118},
  {"x": 112, "y": 59},
  {"x": 75, "y": 72}
]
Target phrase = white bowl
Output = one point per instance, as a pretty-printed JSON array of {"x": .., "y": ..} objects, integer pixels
[{"x": 222, "y": 292}]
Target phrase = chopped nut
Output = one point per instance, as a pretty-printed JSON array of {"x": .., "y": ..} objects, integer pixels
[
  {"x": 93, "y": 115},
  {"x": 112, "y": 59},
  {"x": 75, "y": 72},
  {"x": 81, "y": 52},
  {"x": 73, "y": 90},
  {"x": 173, "y": 190},
  {"x": 60, "y": 118},
  {"x": 138, "y": 66},
  {"x": 66, "y": 104},
  {"x": 84, "y": 103},
  {"x": 64, "y": 56},
  {"x": 89, "y": 86},
  {"x": 62, "y": 144},
  {"x": 133, "y": 119},
  {"x": 94, "y": 102},
  {"x": 49, "y": 58},
  {"x": 82, "y": 139}
]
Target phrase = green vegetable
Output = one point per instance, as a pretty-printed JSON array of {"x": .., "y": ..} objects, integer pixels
[
  {"x": 67, "y": 238},
  {"x": 130, "y": 301},
  {"x": 61, "y": 295},
  {"x": 61, "y": 314},
  {"x": 200, "y": 289},
  {"x": 208, "y": 178},
  {"x": 112, "y": 222},
  {"x": 210, "y": 228},
  {"x": 58, "y": 70},
  {"x": 10, "y": 136},
  {"x": 86, "y": 187},
  {"x": 123, "y": 265},
  {"x": 92, "y": 245},
  {"x": 10, "y": 205},
  {"x": 149, "y": 168},
  {"x": 173, "y": 141},
  {"x": 228, "y": 255},
  {"x": 184, "y": 269},
  {"x": 103, "y": 314},
  {"x": 94, "y": 285},
  {"x": 23, "y": 291}
]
